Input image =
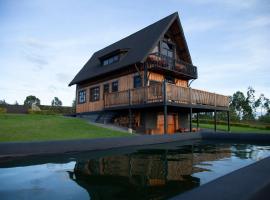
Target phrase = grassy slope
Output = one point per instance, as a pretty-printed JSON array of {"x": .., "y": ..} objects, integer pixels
[
  {"x": 234, "y": 128},
  {"x": 15, "y": 127}
]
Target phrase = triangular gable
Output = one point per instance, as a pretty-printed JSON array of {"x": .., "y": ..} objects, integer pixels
[
  {"x": 138, "y": 46},
  {"x": 175, "y": 26}
]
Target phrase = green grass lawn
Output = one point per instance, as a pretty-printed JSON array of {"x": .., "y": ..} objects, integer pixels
[
  {"x": 19, "y": 127},
  {"x": 233, "y": 128}
]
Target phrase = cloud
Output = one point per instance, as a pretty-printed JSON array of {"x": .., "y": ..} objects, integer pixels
[
  {"x": 35, "y": 52},
  {"x": 259, "y": 21},
  {"x": 239, "y": 4},
  {"x": 38, "y": 60},
  {"x": 52, "y": 89},
  {"x": 201, "y": 25},
  {"x": 63, "y": 77}
]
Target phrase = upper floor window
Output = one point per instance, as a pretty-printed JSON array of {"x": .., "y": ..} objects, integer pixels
[
  {"x": 94, "y": 94},
  {"x": 106, "y": 88},
  {"x": 115, "y": 86},
  {"x": 137, "y": 81},
  {"x": 170, "y": 79},
  {"x": 82, "y": 96},
  {"x": 111, "y": 60},
  {"x": 167, "y": 49}
]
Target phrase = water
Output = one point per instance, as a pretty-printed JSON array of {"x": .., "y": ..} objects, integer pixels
[{"x": 151, "y": 172}]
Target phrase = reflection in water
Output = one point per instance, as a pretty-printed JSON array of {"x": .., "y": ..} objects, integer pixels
[{"x": 146, "y": 174}]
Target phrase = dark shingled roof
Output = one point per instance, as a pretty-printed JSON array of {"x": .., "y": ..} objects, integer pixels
[{"x": 138, "y": 46}]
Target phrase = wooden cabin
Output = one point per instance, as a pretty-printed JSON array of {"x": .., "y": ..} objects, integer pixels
[{"x": 143, "y": 82}]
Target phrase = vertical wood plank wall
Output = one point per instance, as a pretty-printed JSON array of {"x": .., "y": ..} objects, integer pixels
[
  {"x": 159, "y": 77},
  {"x": 124, "y": 83}
]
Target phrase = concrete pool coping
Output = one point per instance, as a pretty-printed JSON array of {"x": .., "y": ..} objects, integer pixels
[
  {"x": 20, "y": 149},
  {"x": 250, "y": 182}
]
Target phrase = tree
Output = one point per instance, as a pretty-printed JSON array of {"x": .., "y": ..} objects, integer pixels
[
  {"x": 3, "y": 102},
  {"x": 16, "y": 103},
  {"x": 242, "y": 104},
  {"x": 56, "y": 102},
  {"x": 30, "y": 100},
  {"x": 238, "y": 101},
  {"x": 73, "y": 105}
]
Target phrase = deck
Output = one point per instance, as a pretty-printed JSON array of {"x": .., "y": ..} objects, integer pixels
[
  {"x": 170, "y": 94},
  {"x": 159, "y": 62}
]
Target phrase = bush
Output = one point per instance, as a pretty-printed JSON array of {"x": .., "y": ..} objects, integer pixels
[
  {"x": 3, "y": 110},
  {"x": 42, "y": 112}
]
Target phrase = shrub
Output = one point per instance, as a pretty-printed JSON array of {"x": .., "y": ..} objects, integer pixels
[
  {"x": 3, "y": 110},
  {"x": 42, "y": 112}
]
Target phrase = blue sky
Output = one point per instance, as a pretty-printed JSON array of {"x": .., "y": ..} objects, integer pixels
[{"x": 43, "y": 44}]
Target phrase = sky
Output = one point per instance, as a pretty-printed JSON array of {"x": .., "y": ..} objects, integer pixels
[{"x": 44, "y": 43}]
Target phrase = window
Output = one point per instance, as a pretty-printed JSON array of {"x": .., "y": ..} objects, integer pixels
[
  {"x": 111, "y": 60},
  {"x": 115, "y": 86},
  {"x": 106, "y": 88},
  {"x": 137, "y": 81},
  {"x": 167, "y": 49},
  {"x": 94, "y": 94},
  {"x": 153, "y": 82},
  {"x": 82, "y": 96},
  {"x": 170, "y": 79}
]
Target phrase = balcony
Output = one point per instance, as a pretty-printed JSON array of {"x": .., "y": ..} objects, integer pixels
[
  {"x": 157, "y": 61},
  {"x": 171, "y": 94}
]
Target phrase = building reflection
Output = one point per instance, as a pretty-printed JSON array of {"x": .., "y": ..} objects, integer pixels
[{"x": 146, "y": 174}]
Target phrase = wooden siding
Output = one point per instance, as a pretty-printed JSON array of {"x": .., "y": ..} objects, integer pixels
[
  {"x": 124, "y": 83},
  {"x": 160, "y": 77}
]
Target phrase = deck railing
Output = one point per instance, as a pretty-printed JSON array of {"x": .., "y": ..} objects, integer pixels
[
  {"x": 160, "y": 61},
  {"x": 155, "y": 94}
]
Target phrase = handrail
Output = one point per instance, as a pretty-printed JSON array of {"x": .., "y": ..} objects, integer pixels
[
  {"x": 174, "y": 94},
  {"x": 163, "y": 61}
]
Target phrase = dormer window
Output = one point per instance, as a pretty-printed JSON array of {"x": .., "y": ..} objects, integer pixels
[
  {"x": 112, "y": 57},
  {"x": 110, "y": 60}
]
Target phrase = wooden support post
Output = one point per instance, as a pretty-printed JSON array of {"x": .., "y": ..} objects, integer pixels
[
  {"x": 165, "y": 107},
  {"x": 197, "y": 121},
  {"x": 190, "y": 119},
  {"x": 215, "y": 118},
  {"x": 228, "y": 121},
  {"x": 145, "y": 75},
  {"x": 129, "y": 110}
]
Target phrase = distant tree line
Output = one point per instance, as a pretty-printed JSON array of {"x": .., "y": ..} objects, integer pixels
[
  {"x": 31, "y": 99},
  {"x": 245, "y": 107}
]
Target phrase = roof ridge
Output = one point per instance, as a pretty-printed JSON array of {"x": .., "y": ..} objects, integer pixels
[{"x": 156, "y": 22}]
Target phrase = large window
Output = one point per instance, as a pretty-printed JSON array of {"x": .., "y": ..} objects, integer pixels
[
  {"x": 115, "y": 86},
  {"x": 94, "y": 94},
  {"x": 82, "y": 96},
  {"x": 111, "y": 60},
  {"x": 137, "y": 81},
  {"x": 167, "y": 49}
]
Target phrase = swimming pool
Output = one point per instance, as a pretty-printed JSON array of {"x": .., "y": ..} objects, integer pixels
[{"x": 150, "y": 172}]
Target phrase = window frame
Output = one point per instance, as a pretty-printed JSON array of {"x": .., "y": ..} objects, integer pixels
[
  {"x": 94, "y": 94},
  {"x": 166, "y": 50},
  {"x": 115, "y": 82},
  {"x": 111, "y": 60},
  {"x": 134, "y": 81},
  {"x": 83, "y": 92}
]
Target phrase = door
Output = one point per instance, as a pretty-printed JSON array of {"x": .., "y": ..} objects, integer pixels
[{"x": 171, "y": 120}]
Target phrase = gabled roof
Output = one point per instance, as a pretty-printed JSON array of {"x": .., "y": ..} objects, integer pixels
[{"x": 138, "y": 46}]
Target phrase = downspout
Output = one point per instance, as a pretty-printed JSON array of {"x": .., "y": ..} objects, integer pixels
[{"x": 190, "y": 82}]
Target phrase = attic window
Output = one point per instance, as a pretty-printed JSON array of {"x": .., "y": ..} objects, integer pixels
[{"x": 110, "y": 60}]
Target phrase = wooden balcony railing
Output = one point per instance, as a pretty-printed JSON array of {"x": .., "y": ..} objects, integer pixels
[
  {"x": 155, "y": 94},
  {"x": 159, "y": 61}
]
